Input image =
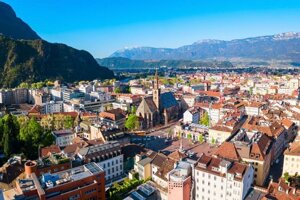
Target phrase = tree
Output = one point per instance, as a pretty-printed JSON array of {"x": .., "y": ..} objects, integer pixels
[
  {"x": 10, "y": 134},
  {"x": 286, "y": 177},
  {"x": 201, "y": 138},
  {"x": 132, "y": 122},
  {"x": 31, "y": 135},
  {"x": 133, "y": 110},
  {"x": 213, "y": 141},
  {"x": 204, "y": 119},
  {"x": 34, "y": 136},
  {"x": 68, "y": 122},
  {"x": 24, "y": 85},
  {"x": 189, "y": 136},
  {"x": 117, "y": 90}
]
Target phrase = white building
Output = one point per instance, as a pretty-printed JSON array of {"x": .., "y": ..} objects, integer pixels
[
  {"x": 191, "y": 115},
  {"x": 101, "y": 96},
  {"x": 85, "y": 88},
  {"x": 292, "y": 159},
  {"x": 56, "y": 93},
  {"x": 52, "y": 107},
  {"x": 107, "y": 155},
  {"x": 216, "y": 179},
  {"x": 254, "y": 108},
  {"x": 63, "y": 137}
]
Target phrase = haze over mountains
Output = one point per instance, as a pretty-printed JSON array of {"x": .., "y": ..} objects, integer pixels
[
  {"x": 284, "y": 46},
  {"x": 24, "y": 57}
]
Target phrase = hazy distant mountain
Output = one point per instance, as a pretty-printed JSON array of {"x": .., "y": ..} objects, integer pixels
[
  {"x": 126, "y": 63},
  {"x": 280, "y": 46},
  {"x": 37, "y": 60},
  {"x": 14, "y": 27}
]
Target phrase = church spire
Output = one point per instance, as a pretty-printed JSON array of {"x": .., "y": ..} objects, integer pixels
[
  {"x": 156, "y": 84},
  {"x": 156, "y": 91}
]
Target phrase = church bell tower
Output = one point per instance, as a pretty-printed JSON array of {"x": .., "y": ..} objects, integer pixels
[{"x": 156, "y": 91}]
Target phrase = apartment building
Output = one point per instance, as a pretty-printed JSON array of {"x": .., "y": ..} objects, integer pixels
[
  {"x": 254, "y": 108},
  {"x": 252, "y": 148},
  {"x": 114, "y": 118},
  {"x": 180, "y": 181},
  {"x": 14, "y": 96},
  {"x": 191, "y": 115},
  {"x": 108, "y": 156},
  {"x": 217, "y": 178},
  {"x": 52, "y": 107},
  {"x": 291, "y": 163},
  {"x": 63, "y": 137},
  {"x": 84, "y": 182},
  {"x": 270, "y": 128}
]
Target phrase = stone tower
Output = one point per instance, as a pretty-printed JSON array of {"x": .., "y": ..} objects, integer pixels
[{"x": 156, "y": 91}]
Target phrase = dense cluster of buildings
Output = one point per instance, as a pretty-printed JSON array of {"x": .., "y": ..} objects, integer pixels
[{"x": 225, "y": 136}]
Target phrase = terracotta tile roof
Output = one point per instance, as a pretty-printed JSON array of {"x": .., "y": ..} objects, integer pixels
[
  {"x": 259, "y": 149},
  {"x": 212, "y": 165},
  {"x": 35, "y": 110},
  {"x": 287, "y": 123},
  {"x": 294, "y": 149},
  {"x": 159, "y": 159},
  {"x": 282, "y": 191},
  {"x": 165, "y": 168},
  {"x": 227, "y": 150},
  {"x": 177, "y": 155},
  {"x": 114, "y": 114},
  {"x": 50, "y": 149},
  {"x": 255, "y": 123}
]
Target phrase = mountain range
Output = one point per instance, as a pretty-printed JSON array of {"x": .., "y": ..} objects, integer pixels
[
  {"x": 126, "y": 63},
  {"x": 25, "y": 57},
  {"x": 284, "y": 46},
  {"x": 14, "y": 27}
]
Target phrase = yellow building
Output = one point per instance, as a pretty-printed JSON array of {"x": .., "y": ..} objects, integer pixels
[{"x": 143, "y": 167}]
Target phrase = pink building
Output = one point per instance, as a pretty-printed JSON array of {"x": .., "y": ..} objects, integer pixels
[{"x": 180, "y": 182}]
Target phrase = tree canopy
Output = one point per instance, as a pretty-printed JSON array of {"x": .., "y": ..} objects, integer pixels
[
  {"x": 132, "y": 122},
  {"x": 204, "y": 119}
]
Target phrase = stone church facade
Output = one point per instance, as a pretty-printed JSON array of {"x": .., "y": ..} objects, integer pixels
[{"x": 158, "y": 108}]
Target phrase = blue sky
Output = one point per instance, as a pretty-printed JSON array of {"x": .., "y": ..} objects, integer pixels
[{"x": 104, "y": 26}]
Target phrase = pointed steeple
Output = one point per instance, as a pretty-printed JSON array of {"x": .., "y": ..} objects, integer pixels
[
  {"x": 156, "y": 91},
  {"x": 156, "y": 80}
]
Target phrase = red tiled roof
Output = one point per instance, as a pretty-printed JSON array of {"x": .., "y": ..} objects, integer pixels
[{"x": 227, "y": 150}]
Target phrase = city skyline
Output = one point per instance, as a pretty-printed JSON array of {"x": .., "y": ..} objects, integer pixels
[{"x": 107, "y": 26}]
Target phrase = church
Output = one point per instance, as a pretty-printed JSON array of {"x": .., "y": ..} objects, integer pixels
[{"x": 158, "y": 108}]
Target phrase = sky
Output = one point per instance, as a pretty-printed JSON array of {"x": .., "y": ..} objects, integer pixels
[{"x": 104, "y": 26}]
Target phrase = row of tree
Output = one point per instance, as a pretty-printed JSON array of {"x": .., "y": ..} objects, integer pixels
[{"x": 21, "y": 135}]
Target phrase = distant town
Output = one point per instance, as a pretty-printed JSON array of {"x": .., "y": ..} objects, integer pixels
[{"x": 196, "y": 135}]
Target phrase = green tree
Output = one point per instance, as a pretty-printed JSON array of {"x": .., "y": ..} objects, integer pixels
[
  {"x": 204, "y": 119},
  {"x": 47, "y": 139},
  {"x": 31, "y": 135},
  {"x": 68, "y": 122},
  {"x": 10, "y": 135},
  {"x": 213, "y": 141},
  {"x": 286, "y": 176},
  {"x": 201, "y": 138},
  {"x": 133, "y": 110},
  {"x": 189, "y": 136},
  {"x": 24, "y": 85},
  {"x": 132, "y": 122},
  {"x": 117, "y": 90}
]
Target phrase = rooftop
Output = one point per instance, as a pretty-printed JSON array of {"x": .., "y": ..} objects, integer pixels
[{"x": 51, "y": 180}]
